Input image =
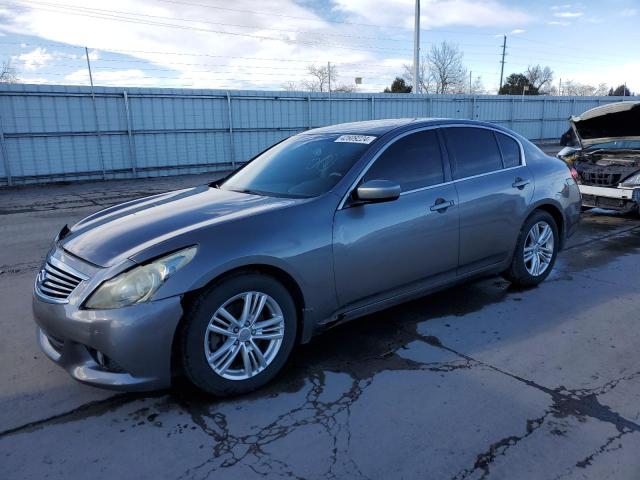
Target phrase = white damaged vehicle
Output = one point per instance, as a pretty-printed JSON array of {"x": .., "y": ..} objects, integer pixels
[{"x": 606, "y": 159}]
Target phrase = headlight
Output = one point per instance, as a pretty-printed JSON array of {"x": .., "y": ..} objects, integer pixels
[
  {"x": 140, "y": 283},
  {"x": 632, "y": 181}
]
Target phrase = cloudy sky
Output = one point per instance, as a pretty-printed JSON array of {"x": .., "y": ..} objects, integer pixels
[{"x": 263, "y": 44}]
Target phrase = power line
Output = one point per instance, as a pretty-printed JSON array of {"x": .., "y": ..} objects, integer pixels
[
  {"x": 108, "y": 11},
  {"x": 121, "y": 18}
]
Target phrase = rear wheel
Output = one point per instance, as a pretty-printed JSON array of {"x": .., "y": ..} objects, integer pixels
[
  {"x": 238, "y": 334},
  {"x": 535, "y": 252}
]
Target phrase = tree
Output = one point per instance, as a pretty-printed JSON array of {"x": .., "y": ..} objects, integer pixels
[
  {"x": 290, "y": 86},
  {"x": 426, "y": 80},
  {"x": 322, "y": 79},
  {"x": 477, "y": 87},
  {"x": 444, "y": 63},
  {"x": 398, "y": 86},
  {"x": 619, "y": 91},
  {"x": 8, "y": 74},
  {"x": 540, "y": 78},
  {"x": 582, "y": 89},
  {"x": 517, "y": 84}
]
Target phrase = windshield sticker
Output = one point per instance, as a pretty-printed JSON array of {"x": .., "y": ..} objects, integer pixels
[{"x": 367, "y": 139}]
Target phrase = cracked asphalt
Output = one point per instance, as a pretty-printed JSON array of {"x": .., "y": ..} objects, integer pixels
[{"x": 479, "y": 381}]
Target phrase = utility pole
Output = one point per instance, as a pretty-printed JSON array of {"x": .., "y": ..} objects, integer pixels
[
  {"x": 560, "y": 88},
  {"x": 416, "y": 50},
  {"x": 470, "y": 72},
  {"x": 504, "y": 48},
  {"x": 95, "y": 114}
]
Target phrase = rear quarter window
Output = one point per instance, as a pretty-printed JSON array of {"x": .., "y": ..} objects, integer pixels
[{"x": 510, "y": 150}]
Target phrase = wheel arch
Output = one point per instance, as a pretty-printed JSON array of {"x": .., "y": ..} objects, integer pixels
[
  {"x": 556, "y": 212},
  {"x": 279, "y": 274}
]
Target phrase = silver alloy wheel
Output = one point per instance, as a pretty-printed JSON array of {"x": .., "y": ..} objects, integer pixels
[
  {"x": 538, "y": 248},
  {"x": 244, "y": 335}
]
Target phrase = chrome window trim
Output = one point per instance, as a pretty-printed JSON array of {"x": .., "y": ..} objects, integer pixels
[{"x": 523, "y": 160}]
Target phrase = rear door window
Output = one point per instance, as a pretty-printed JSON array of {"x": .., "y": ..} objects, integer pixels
[
  {"x": 473, "y": 151},
  {"x": 413, "y": 161}
]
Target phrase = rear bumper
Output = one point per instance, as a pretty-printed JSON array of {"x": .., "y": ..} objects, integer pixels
[
  {"x": 623, "y": 199},
  {"x": 136, "y": 340}
]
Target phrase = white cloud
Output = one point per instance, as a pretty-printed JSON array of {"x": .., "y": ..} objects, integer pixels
[
  {"x": 629, "y": 12},
  {"x": 614, "y": 75},
  {"x": 562, "y": 24},
  {"x": 434, "y": 13},
  {"x": 568, "y": 14},
  {"x": 204, "y": 58},
  {"x": 561, "y": 7},
  {"x": 33, "y": 60},
  {"x": 517, "y": 31},
  {"x": 117, "y": 77}
]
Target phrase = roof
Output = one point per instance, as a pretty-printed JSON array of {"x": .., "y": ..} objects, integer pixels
[{"x": 381, "y": 127}]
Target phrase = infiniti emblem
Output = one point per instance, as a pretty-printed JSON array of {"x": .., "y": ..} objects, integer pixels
[{"x": 42, "y": 275}]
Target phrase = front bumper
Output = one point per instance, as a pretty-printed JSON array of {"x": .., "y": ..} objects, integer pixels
[
  {"x": 623, "y": 199},
  {"x": 137, "y": 341}
]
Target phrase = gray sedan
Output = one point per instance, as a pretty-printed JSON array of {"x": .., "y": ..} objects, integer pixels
[{"x": 219, "y": 282}]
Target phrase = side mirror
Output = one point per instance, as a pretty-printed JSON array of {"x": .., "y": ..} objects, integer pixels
[{"x": 375, "y": 191}]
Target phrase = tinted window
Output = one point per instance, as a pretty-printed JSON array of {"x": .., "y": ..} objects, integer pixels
[
  {"x": 510, "y": 150},
  {"x": 413, "y": 161},
  {"x": 305, "y": 165},
  {"x": 473, "y": 151}
]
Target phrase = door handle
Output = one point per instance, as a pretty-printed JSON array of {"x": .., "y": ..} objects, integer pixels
[
  {"x": 441, "y": 205},
  {"x": 520, "y": 183}
]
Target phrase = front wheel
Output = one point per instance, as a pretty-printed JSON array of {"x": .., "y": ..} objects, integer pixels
[
  {"x": 238, "y": 334},
  {"x": 535, "y": 252}
]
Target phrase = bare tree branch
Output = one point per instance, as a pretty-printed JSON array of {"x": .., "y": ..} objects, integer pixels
[
  {"x": 540, "y": 77},
  {"x": 8, "y": 74}
]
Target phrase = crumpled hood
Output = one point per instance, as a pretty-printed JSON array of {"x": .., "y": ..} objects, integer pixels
[
  {"x": 116, "y": 233},
  {"x": 615, "y": 121}
]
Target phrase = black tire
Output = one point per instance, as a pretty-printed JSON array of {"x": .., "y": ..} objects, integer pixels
[
  {"x": 517, "y": 272},
  {"x": 196, "y": 321}
]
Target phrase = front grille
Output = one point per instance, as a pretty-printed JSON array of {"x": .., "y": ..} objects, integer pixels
[
  {"x": 56, "y": 280},
  {"x": 603, "y": 175},
  {"x": 601, "y": 179}
]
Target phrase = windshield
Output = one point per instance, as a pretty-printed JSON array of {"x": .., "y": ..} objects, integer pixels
[
  {"x": 616, "y": 145},
  {"x": 305, "y": 165}
]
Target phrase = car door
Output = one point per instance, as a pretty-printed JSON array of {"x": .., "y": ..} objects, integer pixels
[
  {"x": 381, "y": 249},
  {"x": 494, "y": 187}
]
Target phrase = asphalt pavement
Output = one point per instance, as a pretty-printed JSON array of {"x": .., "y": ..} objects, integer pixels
[{"x": 480, "y": 381}]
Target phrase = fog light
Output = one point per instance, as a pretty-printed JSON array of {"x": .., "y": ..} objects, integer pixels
[{"x": 105, "y": 362}]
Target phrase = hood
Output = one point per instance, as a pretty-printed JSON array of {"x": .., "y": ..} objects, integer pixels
[
  {"x": 615, "y": 121},
  {"x": 112, "y": 235}
]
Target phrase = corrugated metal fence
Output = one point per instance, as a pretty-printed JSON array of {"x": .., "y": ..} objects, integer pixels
[{"x": 52, "y": 133}]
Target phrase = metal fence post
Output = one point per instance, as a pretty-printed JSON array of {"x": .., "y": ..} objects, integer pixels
[
  {"x": 309, "y": 125},
  {"x": 372, "y": 112},
  {"x": 511, "y": 119},
  {"x": 542, "y": 120},
  {"x": 5, "y": 155},
  {"x": 132, "y": 153},
  {"x": 99, "y": 133},
  {"x": 231, "y": 139}
]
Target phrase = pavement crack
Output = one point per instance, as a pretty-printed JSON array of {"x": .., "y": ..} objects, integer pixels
[
  {"x": 90, "y": 409},
  {"x": 486, "y": 458},
  {"x": 578, "y": 403}
]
